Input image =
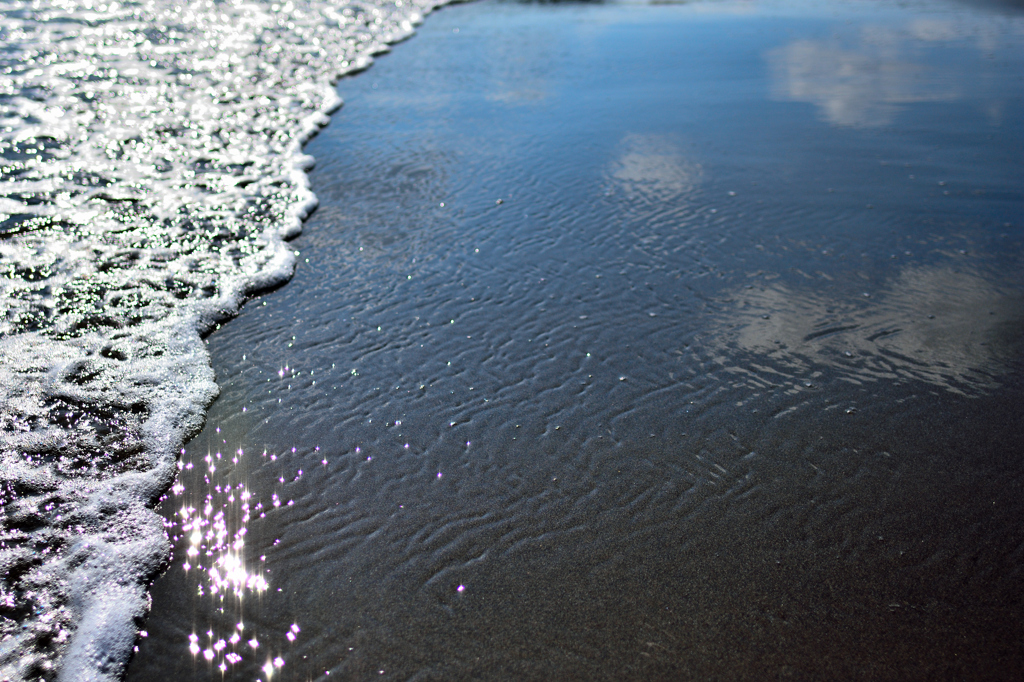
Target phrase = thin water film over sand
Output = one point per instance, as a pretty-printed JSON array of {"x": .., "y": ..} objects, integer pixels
[{"x": 631, "y": 342}]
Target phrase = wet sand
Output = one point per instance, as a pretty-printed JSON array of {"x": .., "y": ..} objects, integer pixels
[{"x": 631, "y": 342}]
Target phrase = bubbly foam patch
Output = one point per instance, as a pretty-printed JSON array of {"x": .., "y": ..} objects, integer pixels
[{"x": 150, "y": 173}]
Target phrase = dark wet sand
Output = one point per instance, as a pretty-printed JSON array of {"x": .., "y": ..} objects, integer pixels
[{"x": 708, "y": 367}]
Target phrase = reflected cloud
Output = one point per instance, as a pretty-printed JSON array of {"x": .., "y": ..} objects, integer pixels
[
  {"x": 951, "y": 329},
  {"x": 863, "y": 77},
  {"x": 861, "y": 87},
  {"x": 653, "y": 167},
  {"x": 517, "y": 95},
  {"x": 932, "y": 29}
]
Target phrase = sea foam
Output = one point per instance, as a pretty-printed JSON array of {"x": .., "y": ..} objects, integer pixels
[{"x": 150, "y": 174}]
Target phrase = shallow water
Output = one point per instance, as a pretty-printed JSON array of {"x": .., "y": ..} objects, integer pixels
[
  {"x": 150, "y": 172},
  {"x": 631, "y": 342}
]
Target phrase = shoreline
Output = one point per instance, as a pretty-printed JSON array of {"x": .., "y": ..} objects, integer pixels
[
  {"x": 756, "y": 467},
  {"x": 78, "y": 609}
]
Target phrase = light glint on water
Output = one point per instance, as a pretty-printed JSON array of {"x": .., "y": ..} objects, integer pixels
[{"x": 212, "y": 516}]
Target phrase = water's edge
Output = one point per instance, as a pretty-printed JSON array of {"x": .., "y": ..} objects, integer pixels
[{"x": 79, "y": 603}]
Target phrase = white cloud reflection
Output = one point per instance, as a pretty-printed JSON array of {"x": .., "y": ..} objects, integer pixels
[
  {"x": 951, "y": 329},
  {"x": 862, "y": 79},
  {"x": 653, "y": 167},
  {"x": 861, "y": 86}
]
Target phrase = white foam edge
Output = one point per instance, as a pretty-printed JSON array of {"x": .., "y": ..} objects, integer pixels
[
  {"x": 106, "y": 579},
  {"x": 109, "y": 585}
]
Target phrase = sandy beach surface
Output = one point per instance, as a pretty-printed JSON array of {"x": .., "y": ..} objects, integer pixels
[{"x": 631, "y": 342}]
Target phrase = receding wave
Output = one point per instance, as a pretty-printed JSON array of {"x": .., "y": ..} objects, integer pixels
[{"x": 150, "y": 174}]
